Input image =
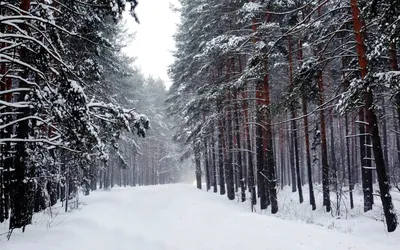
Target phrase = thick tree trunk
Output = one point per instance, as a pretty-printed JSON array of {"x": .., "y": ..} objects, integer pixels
[
  {"x": 21, "y": 209},
  {"x": 372, "y": 126}
]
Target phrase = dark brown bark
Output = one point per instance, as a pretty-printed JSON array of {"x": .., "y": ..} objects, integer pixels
[{"x": 372, "y": 126}]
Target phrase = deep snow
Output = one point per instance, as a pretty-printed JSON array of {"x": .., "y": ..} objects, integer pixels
[{"x": 179, "y": 217}]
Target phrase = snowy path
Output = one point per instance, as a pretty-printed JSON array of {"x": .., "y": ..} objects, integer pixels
[{"x": 176, "y": 217}]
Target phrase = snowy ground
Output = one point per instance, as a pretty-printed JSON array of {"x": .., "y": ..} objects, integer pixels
[
  {"x": 353, "y": 221},
  {"x": 180, "y": 217}
]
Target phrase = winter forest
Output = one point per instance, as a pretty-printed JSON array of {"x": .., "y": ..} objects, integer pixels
[
  {"x": 278, "y": 93},
  {"x": 72, "y": 107},
  {"x": 280, "y": 105}
]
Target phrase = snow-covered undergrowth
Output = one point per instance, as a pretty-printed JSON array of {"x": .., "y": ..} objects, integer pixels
[{"x": 354, "y": 221}]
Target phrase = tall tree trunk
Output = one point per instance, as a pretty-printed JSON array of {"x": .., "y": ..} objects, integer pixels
[
  {"x": 261, "y": 178},
  {"x": 214, "y": 163},
  {"x": 294, "y": 125},
  {"x": 271, "y": 180},
  {"x": 308, "y": 154},
  {"x": 250, "y": 167},
  {"x": 349, "y": 166},
  {"x": 385, "y": 139},
  {"x": 239, "y": 153},
  {"x": 334, "y": 164},
  {"x": 395, "y": 67},
  {"x": 21, "y": 211},
  {"x": 292, "y": 160},
  {"x": 221, "y": 164},
  {"x": 197, "y": 158},
  {"x": 207, "y": 165},
  {"x": 282, "y": 157},
  {"x": 324, "y": 148},
  {"x": 372, "y": 126},
  {"x": 260, "y": 162},
  {"x": 230, "y": 183}
]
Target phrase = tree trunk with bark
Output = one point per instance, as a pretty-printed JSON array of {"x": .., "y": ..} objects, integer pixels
[
  {"x": 372, "y": 125},
  {"x": 294, "y": 125}
]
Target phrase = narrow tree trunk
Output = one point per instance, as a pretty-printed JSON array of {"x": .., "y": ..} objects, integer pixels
[
  {"x": 324, "y": 149},
  {"x": 229, "y": 173},
  {"x": 239, "y": 153},
  {"x": 308, "y": 154},
  {"x": 271, "y": 180},
  {"x": 334, "y": 166},
  {"x": 250, "y": 167},
  {"x": 261, "y": 180},
  {"x": 349, "y": 166},
  {"x": 294, "y": 125},
  {"x": 291, "y": 161},
  {"x": 260, "y": 163},
  {"x": 385, "y": 139},
  {"x": 197, "y": 158},
  {"x": 207, "y": 165},
  {"x": 221, "y": 159},
  {"x": 282, "y": 156},
  {"x": 214, "y": 163}
]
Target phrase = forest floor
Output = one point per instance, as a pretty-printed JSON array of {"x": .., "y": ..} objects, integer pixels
[{"x": 180, "y": 217}]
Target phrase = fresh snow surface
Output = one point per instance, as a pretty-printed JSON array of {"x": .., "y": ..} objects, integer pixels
[{"x": 178, "y": 217}]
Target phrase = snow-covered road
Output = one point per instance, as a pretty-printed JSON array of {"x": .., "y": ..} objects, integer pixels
[{"x": 175, "y": 217}]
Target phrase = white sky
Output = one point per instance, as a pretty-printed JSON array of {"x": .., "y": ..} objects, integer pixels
[{"x": 154, "y": 42}]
